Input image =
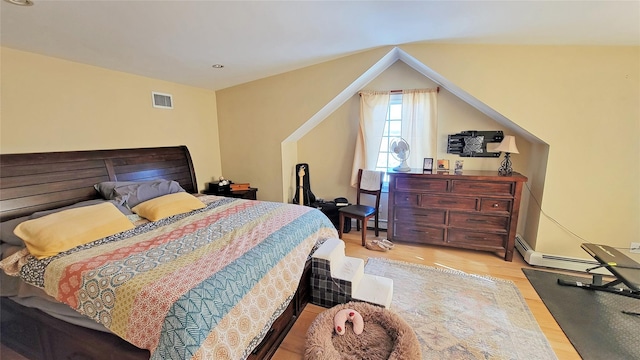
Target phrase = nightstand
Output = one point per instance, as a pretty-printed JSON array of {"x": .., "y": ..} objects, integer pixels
[{"x": 250, "y": 194}]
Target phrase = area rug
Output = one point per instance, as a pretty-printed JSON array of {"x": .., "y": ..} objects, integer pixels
[
  {"x": 460, "y": 316},
  {"x": 593, "y": 321}
]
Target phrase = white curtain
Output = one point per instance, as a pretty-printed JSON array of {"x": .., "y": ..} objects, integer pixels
[
  {"x": 419, "y": 124},
  {"x": 373, "y": 114},
  {"x": 419, "y": 127}
]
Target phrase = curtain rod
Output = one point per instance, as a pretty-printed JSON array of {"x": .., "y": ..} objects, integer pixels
[{"x": 400, "y": 91}]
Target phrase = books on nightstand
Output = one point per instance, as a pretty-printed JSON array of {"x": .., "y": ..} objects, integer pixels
[{"x": 240, "y": 186}]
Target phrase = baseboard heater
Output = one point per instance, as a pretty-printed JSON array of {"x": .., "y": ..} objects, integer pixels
[{"x": 536, "y": 258}]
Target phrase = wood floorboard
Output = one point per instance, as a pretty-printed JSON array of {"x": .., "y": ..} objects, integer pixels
[{"x": 475, "y": 262}]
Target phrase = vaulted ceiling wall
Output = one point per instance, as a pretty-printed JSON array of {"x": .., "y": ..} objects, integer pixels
[{"x": 567, "y": 97}]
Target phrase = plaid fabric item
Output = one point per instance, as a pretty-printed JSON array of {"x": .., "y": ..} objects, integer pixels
[
  {"x": 325, "y": 290},
  {"x": 320, "y": 267}
]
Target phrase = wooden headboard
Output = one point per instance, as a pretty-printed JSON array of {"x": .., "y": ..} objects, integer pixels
[{"x": 42, "y": 181}]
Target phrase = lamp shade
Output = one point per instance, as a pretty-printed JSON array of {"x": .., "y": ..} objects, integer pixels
[{"x": 508, "y": 145}]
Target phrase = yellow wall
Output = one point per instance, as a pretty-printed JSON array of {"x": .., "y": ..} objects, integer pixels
[
  {"x": 49, "y": 104},
  {"x": 584, "y": 102},
  {"x": 581, "y": 101},
  {"x": 329, "y": 147},
  {"x": 256, "y": 117}
]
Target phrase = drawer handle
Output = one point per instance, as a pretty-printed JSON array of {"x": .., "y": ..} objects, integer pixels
[
  {"x": 477, "y": 221},
  {"x": 495, "y": 205},
  {"x": 264, "y": 342},
  {"x": 420, "y": 231}
]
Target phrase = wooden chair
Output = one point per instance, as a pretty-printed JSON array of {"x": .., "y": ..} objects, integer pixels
[{"x": 363, "y": 212}]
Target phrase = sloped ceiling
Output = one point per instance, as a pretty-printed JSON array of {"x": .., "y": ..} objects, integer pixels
[
  {"x": 179, "y": 41},
  {"x": 289, "y": 149}
]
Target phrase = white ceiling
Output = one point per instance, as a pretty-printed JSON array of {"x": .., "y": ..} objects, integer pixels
[{"x": 179, "y": 41}]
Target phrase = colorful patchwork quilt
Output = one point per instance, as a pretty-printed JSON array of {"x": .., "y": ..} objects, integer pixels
[{"x": 203, "y": 285}]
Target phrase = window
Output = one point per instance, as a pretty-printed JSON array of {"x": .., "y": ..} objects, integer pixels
[
  {"x": 387, "y": 115},
  {"x": 392, "y": 130}
]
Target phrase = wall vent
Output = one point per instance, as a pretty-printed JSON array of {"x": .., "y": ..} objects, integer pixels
[{"x": 162, "y": 101}]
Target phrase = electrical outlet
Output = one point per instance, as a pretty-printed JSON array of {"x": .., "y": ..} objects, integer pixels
[{"x": 635, "y": 247}]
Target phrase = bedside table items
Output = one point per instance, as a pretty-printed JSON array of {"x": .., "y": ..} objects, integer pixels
[
  {"x": 227, "y": 188},
  {"x": 458, "y": 168},
  {"x": 240, "y": 186},
  {"x": 223, "y": 185}
]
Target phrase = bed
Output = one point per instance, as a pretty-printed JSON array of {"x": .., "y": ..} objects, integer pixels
[{"x": 224, "y": 280}]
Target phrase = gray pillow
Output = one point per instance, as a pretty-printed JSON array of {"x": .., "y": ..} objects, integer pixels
[
  {"x": 134, "y": 194},
  {"x": 106, "y": 188},
  {"x": 123, "y": 209},
  {"x": 6, "y": 231}
]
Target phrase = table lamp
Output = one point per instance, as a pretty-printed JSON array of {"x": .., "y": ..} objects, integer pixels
[{"x": 508, "y": 146}]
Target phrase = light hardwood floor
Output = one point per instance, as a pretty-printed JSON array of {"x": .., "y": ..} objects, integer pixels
[{"x": 474, "y": 262}]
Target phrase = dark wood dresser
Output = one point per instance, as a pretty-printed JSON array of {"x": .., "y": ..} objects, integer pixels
[{"x": 473, "y": 210}]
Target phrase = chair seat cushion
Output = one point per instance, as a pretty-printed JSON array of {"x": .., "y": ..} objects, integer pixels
[{"x": 358, "y": 210}]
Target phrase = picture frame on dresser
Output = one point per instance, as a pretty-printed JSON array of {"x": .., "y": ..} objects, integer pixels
[{"x": 427, "y": 164}]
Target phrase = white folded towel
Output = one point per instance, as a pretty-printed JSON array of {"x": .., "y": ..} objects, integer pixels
[{"x": 370, "y": 180}]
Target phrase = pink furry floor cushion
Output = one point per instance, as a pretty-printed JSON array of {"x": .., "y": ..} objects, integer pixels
[{"x": 386, "y": 336}]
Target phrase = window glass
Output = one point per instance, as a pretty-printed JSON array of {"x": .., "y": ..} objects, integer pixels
[{"x": 392, "y": 129}]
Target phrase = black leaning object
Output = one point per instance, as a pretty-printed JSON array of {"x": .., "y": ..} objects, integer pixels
[
  {"x": 330, "y": 209},
  {"x": 625, "y": 269},
  {"x": 304, "y": 188}
]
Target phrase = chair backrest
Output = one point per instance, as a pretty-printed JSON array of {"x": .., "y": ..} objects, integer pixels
[{"x": 370, "y": 182}]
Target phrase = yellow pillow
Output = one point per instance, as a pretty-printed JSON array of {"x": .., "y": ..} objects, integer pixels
[
  {"x": 51, "y": 234},
  {"x": 167, "y": 205}
]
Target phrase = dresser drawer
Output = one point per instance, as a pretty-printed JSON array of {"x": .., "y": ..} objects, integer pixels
[
  {"x": 449, "y": 202},
  {"x": 420, "y": 216},
  {"x": 476, "y": 240},
  {"x": 406, "y": 199},
  {"x": 417, "y": 233},
  {"x": 420, "y": 184},
  {"x": 495, "y": 205},
  {"x": 482, "y": 187},
  {"x": 478, "y": 221}
]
